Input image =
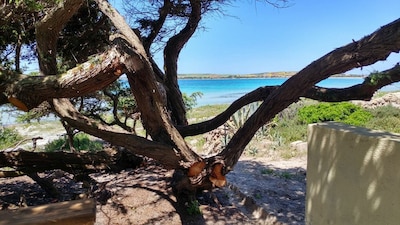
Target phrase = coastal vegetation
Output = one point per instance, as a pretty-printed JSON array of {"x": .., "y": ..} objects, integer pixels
[
  {"x": 8, "y": 137},
  {"x": 81, "y": 142},
  {"x": 288, "y": 126},
  {"x": 280, "y": 74}
]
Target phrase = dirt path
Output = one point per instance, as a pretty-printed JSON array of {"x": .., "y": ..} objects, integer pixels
[{"x": 274, "y": 189}]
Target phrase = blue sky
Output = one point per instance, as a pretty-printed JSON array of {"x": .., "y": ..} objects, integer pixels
[
  {"x": 257, "y": 37},
  {"x": 260, "y": 38}
]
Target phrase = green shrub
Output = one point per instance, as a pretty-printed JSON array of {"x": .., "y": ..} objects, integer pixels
[
  {"x": 385, "y": 118},
  {"x": 385, "y": 111},
  {"x": 286, "y": 127},
  {"x": 358, "y": 118},
  {"x": 82, "y": 142},
  {"x": 291, "y": 133},
  {"x": 344, "y": 112},
  {"x": 190, "y": 101},
  {"x": 389, "y": 124},
  {"x": 193, "y": 208},
  {"x": 8, "y": 137}
]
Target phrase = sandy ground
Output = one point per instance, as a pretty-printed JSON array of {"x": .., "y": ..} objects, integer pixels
[{"x": 260, "y": 191}]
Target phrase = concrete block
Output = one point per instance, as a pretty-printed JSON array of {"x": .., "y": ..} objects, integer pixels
[{"x": 353, "y": 176}]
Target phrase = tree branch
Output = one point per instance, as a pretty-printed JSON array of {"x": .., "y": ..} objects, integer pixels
[
  {"x": 363, "y": 91},
  {"x": 163, "y": 153},
  {"x": 27, "y": 162},
  {"x": 370, "y": 49},
  {"x": 147, "y": 92},
  {"x": 88, "y": 77},
  {"x": 157, "y": 25},
  {"x": 259, "y": 94},
  {"x": 47, "y": 32},
  {"x": 171, "y": 53}
]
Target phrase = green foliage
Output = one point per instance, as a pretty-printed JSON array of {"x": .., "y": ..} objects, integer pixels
[
  {"x": 358, "y": 118},
  {"x": 286, "y": 175},
  {"x": 112, "y": 103},
  {"x": 18, "y": 30},
  {"x": 8, "y": 137},
  {"x": 376, "y": 76},
  {"x": 385, "y": 118},
  {"x": 385, "y": 111},
  {"x": 191, "y": 100},
  {"x": 286, "y": 126},
  {"x": 31, "y": 4},
  {"x": 287, "y": 131},
  {"x": 193, "y": 208},
  {"x": 82, "y": 142},
  {"x": 30, "y": 115},
  {"x": 389, "y": 124},
  {"x": 267, "y": 171},
  {"x": 253, "y": 151},
  {"x": 345, "y": 112},
  {"x": 241, "y": 116}
]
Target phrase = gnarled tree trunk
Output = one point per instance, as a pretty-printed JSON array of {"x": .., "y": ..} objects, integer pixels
[{"x": 164, "y": 117}]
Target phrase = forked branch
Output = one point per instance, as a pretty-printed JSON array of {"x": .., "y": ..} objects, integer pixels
[
  {"x": 363, "y": 91},
  {"x": 370, "y": 49}
]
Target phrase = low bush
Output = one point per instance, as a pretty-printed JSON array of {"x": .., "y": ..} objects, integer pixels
[
  {"x": 389, "y": 124},
  {"x": 344, "y": 112},
  {"x": 286, "y": 126},
  {"x": 82, "y": 142},
  {"x": 385, "y": 118},
  {"x": 385, "y": 111},
  {"x": 8, "y": 137}
]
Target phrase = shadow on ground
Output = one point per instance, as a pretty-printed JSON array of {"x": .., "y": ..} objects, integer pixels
[
  {"x": 143, "y": 195},
  {"x": 278, "y": 188}
]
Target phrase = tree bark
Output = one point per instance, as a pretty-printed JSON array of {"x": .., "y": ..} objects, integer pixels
[
  {"x": 163, "y": 153},
  {"x": 97, "y": 73},
  {"x": 144, "y": 87},
  {"x": 171, "y": 54}
]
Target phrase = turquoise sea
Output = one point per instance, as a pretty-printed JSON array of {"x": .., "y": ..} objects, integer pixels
[
  {"x": 225, "y": 91},
  {"x": 221, "y": 91}
]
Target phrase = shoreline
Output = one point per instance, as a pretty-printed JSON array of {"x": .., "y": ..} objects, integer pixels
[{"x": 254, "y": 76}]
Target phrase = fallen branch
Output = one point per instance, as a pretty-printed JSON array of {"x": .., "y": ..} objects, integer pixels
[{"x": 31, "y": 162}]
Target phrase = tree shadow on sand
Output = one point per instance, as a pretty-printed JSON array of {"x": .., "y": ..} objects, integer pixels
[
  {"x": 144, "y": 195},
  {"x": 278, "y": 191}
]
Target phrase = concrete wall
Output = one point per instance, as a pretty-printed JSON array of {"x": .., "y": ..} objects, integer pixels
[{"x": 353, "y": 176}]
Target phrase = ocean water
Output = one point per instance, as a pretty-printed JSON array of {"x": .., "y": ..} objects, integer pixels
[
  {"x": 225, "y": 91},
  {"x": 221, "y": 91}
]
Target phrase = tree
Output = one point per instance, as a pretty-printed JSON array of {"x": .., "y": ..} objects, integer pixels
[{"x": 157, "y": 93}]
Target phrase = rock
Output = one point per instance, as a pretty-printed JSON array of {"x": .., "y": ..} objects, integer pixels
[
  {"x": 299, "y": 145},
  {"x": 388, "y": 99}
]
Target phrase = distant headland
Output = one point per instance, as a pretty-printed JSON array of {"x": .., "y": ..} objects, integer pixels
[{"x": 249, "y": 76}]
